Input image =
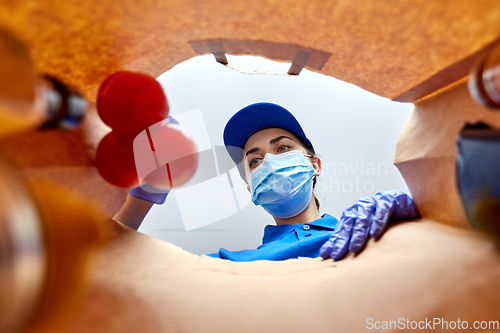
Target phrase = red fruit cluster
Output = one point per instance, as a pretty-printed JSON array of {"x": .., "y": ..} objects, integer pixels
[{"x": 129, "y": 103}]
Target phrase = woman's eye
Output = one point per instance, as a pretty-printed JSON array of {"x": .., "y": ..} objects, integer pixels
[
  {"x": 253, "y": 162},
  {"x": 283, "y": 148}
]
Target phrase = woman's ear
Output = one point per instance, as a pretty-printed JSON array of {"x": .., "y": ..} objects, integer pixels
[{"x": 316, "y": 163}]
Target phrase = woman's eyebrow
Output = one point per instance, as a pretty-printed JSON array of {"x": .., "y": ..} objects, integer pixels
[
  {"x": 273, "y": 141},
  {"x": 253, "y": 150}
]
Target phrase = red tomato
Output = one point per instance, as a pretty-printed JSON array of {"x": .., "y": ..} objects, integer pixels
[
  {"x": 129, "y": 102},
  {"x": 99, "y": 101},
  {"x": 115, "y": 161},
  {"x": 176, "y": 156}
]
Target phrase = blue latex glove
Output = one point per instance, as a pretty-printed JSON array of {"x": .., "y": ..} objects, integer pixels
[
  {"x": 150, "y": 193},
  {"x": 368, "y": 217},
  {"x": 151, "y": 196}
]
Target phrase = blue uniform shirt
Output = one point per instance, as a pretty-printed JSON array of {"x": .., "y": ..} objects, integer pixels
[{"x": 286, "y": 241}]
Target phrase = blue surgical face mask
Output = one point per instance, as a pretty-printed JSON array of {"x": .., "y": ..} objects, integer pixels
[{"x": 282, "y": 184}]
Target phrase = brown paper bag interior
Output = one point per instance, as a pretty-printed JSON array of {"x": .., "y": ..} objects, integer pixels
[{"x": 405, "y": 51}]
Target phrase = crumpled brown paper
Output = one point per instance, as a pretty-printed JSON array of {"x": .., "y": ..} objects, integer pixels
[
  {"x": 426, "y": 151},
  {"x": 417, "y": 271},
  {"x": 383, "y": 46}
]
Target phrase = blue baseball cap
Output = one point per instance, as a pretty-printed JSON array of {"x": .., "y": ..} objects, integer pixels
[{"x": 253, "y": 118}]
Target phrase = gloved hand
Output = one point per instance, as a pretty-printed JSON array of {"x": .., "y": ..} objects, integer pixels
[
  {"x": 367, "y": 217},
  {"x": 150, "y": 193}
]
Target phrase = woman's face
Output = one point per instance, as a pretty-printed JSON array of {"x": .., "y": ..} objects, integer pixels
[{"x": 273, "y": 140}]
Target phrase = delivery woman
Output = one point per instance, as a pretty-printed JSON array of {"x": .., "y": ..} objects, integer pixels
[{"x": 280, "y": 166}]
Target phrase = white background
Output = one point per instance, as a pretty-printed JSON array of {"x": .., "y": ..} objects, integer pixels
[{"x": 352, "y": 130}]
